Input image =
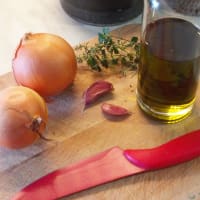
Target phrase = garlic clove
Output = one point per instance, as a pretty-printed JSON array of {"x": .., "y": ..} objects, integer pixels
[
  {"x": 96, "y": 90},
  {"x": 114, "y": 110}
]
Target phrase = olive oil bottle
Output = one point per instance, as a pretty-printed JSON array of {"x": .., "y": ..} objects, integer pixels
[{"x": 169, "y": 68}]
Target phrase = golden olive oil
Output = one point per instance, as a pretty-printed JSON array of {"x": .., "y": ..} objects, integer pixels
[{"x": 169, "y": 69}]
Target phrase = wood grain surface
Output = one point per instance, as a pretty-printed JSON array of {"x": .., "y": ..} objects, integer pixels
[{"x": 79, "y": 133}]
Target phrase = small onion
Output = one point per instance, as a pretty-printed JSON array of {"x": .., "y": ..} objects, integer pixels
[
  {"x": 45, "y": 63},
  {"x": 23, "y": 117}
]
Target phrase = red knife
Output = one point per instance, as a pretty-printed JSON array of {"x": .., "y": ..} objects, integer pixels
[{"x": 110, "y": 165}]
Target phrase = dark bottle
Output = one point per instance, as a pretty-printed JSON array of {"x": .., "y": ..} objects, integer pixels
[{"x": 103, "y": 12}]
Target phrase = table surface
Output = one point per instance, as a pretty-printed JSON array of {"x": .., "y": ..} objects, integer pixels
[
  {"x": 22, "y": 16},
  {"x": 77, "y": 134},
  {"x": 81, "y": 134}
]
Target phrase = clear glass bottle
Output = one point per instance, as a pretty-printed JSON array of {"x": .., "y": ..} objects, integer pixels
[{"x": 170, "y": 58}]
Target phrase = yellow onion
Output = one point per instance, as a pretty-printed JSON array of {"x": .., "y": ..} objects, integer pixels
[
  {"x": 23, "y": 117},
  {"x": 45, "y": 63}
]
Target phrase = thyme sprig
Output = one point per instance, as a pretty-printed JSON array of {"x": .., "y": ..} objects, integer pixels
[{"x": 109, "y": 51}]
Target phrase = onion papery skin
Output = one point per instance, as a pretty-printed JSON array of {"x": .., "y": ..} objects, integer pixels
[
  {"x": 45, "y": 63},
  {"x": 19, "y": 107}
]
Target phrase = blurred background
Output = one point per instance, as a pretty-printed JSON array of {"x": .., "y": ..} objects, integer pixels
[{"x": 22, "y": 16}]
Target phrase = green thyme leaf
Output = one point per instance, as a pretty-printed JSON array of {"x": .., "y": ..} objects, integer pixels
[
  {"x": 110, "y": 51},
  {"x": 134, "y": 40}
]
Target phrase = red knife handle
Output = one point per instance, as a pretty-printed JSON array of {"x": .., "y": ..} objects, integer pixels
[{"x": 178, "y": 150}]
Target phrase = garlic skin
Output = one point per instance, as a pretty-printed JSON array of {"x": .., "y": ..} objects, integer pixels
[
  {"x": 96, "y": 90},
  {"x": 114, "y": 110}
]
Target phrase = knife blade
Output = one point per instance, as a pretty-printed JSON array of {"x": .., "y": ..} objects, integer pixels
[{"x": 111, "y": 165}]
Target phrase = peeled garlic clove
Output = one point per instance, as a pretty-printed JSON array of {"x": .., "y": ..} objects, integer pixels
[
  {"x": 114, "y": 109},
  {"x": 96, "y": 90}
]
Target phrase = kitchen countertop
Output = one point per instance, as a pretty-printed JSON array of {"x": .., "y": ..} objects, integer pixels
[
  {"x": 76, "y": 134},
  {"x": 19, "y": 17}
]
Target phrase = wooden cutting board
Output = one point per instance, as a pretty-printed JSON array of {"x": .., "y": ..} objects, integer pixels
[{"x": 79, "y": 133}]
